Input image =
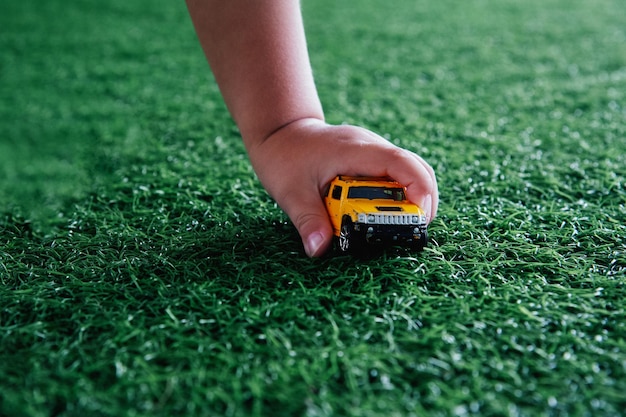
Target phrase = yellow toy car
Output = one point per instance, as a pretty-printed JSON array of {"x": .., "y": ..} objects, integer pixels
[{"x": 374, "y": 211}]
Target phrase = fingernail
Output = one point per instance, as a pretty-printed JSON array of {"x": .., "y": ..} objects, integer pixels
[
  {"x": 427, "y": 206},
  {"x": 313, "y": 244}
]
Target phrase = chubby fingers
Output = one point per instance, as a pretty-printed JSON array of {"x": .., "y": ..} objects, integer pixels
[
  {"x": 370, "y": 155},
  {"x": 419, "y": 179},
  {"x": 308, "y": 214}
]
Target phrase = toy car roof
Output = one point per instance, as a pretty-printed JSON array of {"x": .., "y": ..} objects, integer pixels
[{"x": 348, "y": 178}]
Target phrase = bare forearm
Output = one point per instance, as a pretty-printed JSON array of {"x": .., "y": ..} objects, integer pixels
[{"x": 257, "y": 52}]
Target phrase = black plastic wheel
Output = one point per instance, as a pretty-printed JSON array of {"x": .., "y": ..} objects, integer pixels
[{"x": 346, "y": 240}]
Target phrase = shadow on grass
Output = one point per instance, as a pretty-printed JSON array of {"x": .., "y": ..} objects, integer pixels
[{"x": 116, "y": 247}]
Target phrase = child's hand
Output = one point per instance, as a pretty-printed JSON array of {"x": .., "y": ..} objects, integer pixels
[
  {"x": 258, "y": 54},
  {"x": 297, "y": 162}
]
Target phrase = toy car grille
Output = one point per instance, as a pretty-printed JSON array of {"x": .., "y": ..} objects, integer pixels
[{"x": 399, "y": 219}]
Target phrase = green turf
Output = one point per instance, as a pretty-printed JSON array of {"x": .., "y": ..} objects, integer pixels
[{"x": 144, "y": 271}]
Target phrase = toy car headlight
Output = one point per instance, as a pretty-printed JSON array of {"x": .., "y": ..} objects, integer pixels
[
  {"x": 421, "y": 219},
  {"x": 371, "y": 218},
  {"x": 362, "y": 218}
]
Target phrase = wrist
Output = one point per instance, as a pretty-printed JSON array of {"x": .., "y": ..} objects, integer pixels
[{"x": 290, "y": 129}]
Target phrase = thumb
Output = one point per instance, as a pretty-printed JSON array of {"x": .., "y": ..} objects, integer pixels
[{"x": 310, "y": 218}]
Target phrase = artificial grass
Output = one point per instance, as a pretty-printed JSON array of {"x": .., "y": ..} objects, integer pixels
[{"x": 145, "y": 271}]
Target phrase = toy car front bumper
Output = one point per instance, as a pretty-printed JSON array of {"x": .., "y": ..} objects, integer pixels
[{"x": 384, "y": 233}]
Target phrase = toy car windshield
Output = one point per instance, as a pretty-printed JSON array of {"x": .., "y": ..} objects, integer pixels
[{"x": 376, "y": 193}]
